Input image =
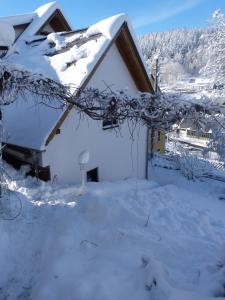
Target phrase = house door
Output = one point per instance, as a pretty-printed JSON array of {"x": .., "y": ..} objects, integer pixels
[{"x": 92, "y": 175}]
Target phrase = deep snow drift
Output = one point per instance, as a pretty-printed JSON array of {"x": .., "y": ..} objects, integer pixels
[{"x": 157, "y": 239}]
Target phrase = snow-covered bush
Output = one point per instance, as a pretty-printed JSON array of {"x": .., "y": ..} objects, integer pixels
[
  {"x": 191, "y": 166},
  {"x": 217, "y": 143},
  {"x": 156, "y": 279}
]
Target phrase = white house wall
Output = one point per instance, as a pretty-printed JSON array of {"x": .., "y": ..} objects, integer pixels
[{"x": 114, "y": 153}]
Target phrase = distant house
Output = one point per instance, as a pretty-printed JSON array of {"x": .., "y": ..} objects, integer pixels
[
  {"x": 50, "y": 140},
  {"x": 186, "y": 133}
]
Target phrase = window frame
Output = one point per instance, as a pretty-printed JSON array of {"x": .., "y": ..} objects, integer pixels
[{"x": 110, "y": 123}]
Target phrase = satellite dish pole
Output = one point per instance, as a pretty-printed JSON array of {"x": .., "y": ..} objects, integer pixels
[
  {"x": 83, "y": 160},
  {"x": 156, "y": 73},
  {"x": 156, "y": 90}
]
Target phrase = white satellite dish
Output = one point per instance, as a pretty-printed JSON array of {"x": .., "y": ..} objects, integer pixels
[
  {"x": 84, "y": 157},
  {"x": 7, "y": 34}
]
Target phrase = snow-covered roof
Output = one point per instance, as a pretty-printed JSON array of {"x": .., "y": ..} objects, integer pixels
[
  {"x": 35, "y": 19},
  {"x": 19, "y": 19},
  {"x": 7, "y": 34},
  {"x": 69, "y": 57},
  {"x": 42, "y": 14}
]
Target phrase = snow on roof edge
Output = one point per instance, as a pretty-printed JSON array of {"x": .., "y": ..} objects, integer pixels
[
  {"x": 36, "y": 18},
  {"x": 18, "y": 19},
  {"x": 41, "y": 16},
  {"x": 42, "y": 10},
  {"x": 113, "y": 25},
  {"x": 108, "y": 27}
]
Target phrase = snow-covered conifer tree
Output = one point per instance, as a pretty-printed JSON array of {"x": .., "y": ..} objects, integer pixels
[{"x": 215, "y": 67}]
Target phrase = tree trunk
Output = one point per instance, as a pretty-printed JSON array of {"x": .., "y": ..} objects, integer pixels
[{"x": 1, "y": 175}]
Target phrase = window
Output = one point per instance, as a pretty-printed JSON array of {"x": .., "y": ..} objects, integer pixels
[
  {"x": 109, "y": 123},
  {"x": 191, "y": 133},
  {"x": 110, "y": 120},
  {"x": 159, "y": 135},
  {"x": 92, "y": 175},
  {"x": 3, "y": 51},
  {"x": 203, "y": 135}
]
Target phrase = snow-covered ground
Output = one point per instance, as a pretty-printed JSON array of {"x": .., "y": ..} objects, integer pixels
[{"x": 158, "y": 239}]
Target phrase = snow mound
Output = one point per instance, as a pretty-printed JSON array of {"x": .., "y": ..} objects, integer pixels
[
  {"x": 107, "y": 27},
  {"x": 41, "y": 11}
]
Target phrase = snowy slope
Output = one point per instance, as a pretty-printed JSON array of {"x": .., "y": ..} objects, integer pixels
[{"x": 136, "y": 240}]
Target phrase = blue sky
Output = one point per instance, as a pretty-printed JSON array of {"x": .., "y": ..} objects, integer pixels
[{"x": 146, "y": 15}]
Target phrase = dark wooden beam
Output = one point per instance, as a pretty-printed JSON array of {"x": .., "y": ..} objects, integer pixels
[
  {"x": 57, "y": 22},
  {"x": 131, "y": 57}
]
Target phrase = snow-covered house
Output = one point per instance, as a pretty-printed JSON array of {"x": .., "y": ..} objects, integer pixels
[
  {"x": 106, "y": 53},
  {"x": 188, "y": 134}
]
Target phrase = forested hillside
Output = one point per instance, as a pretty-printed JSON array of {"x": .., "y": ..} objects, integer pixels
[{"x": 181, "y": 52}]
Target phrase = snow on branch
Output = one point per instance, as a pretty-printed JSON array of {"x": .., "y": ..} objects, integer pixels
[
  {"x": 158, "y": 111},
  {"x": 16, "y": 82}
]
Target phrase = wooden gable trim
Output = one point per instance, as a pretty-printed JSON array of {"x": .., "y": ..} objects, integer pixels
[
  {"x": 58, "y": 124},
  {"x": 131, "y": 57},
  {"x": 128, "y": 52},
  {"x": 60, "y": 25}
]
